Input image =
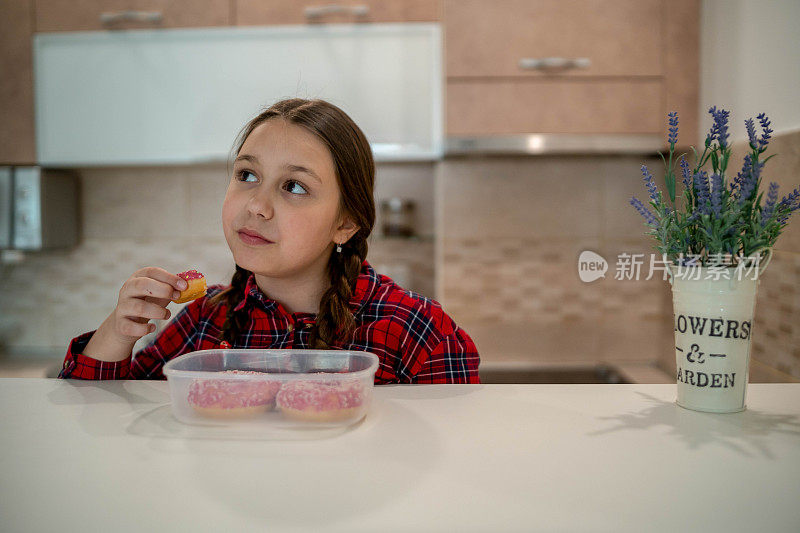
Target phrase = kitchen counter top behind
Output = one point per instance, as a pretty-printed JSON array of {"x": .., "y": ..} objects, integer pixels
[{"x": 435, "y": 457}]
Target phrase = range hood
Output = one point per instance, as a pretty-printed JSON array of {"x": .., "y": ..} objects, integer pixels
[{"x": 555, "y": 143}]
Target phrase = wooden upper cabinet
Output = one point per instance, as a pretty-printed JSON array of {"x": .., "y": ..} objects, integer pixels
[
  {"x": 492, "y": 37},
  {"x": 507, "y": 107},
  {"x": 642, "y": 56},
  {"x": 274, "y": 12},
  {"x": 17, "y": 144},
  {"x": 87, "y": 15}
]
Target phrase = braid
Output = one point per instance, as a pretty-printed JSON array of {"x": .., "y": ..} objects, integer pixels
[
  {"x": 335, "y": 321},
  {"x": 234, "y": 323}
]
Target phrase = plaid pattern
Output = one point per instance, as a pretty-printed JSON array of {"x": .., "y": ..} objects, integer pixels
[{"x": 414, "y": 339}]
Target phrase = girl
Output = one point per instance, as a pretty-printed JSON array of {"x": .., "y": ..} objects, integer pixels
[{"x": 296, "y": 216}]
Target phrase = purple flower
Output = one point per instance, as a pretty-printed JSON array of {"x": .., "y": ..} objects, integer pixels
[
  {"x": 764, "y": 140},
  {"x": 750, "y": 125},
  {"x": 687, "y": 174},
  {"x": 772, "y": 197},
  {"x": 716, "y": 194},
  {"x": 651, "y": 186},
  {"x": 673, "y": 127},
  {"x": 788, "y": 200},
  {"x": 649, "y": 217},
  {"x": 702, "y": 191},
  {"x": 750, "y": 181},
  {"x": 740, "y": 178},
  {"x": 719, "y": 130}
]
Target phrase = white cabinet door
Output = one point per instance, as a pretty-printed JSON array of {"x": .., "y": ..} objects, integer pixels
[{"x": 182, "y": 95}]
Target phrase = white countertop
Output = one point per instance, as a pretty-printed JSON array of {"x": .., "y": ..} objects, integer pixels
[{"x": 109, "y": 455}]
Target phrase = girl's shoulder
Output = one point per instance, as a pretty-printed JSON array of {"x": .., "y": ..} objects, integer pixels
[{"x": 390, "y": 301}]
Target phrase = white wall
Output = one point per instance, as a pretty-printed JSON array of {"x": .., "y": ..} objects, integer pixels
[{"x": 750, "y": 62}]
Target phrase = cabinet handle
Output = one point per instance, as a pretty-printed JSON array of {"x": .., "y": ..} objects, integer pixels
[
  {"x": 108, "y": 18},
  {"x": 316, "y": 12},
  {"x": 554, "y": 63}
]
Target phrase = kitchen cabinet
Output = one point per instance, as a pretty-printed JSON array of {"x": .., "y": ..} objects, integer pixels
[
  {"x": 493, "y": 37},
  {"x": 577, "y": 67},
  {"x": 120, "y": 98},
  {"x": 498, "y": 107},
  {"x": 87, "y": 15},
  {"x": 269, "y": 12},
  {"x": 16, "y": 83}
]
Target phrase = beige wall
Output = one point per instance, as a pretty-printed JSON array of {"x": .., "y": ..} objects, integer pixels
[{"x": 749, "y": 53}]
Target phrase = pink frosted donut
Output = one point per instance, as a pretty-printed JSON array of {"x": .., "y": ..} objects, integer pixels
[
  {"x": 321, "y": 401},
  {"x": 233, "y": 398}
]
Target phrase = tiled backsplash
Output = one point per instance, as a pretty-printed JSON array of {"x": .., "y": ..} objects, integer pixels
[
  {"x": 512, "y": 231},
  {"x": 168, "y": 217},
  {"x": 508, "y": 233}
]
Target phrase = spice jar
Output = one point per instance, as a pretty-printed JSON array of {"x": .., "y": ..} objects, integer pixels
[{"x": 398, "y": 217}]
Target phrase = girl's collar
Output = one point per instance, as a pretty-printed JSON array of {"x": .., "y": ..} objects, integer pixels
[{"x": 366, "y": 284}]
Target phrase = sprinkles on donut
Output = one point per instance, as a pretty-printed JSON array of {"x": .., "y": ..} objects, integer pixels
[
  {"x": 321, "y": 401},
  {"x": 232, "y": 398}
]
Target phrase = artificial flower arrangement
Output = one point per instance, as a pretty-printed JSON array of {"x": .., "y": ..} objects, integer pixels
[{"x": 717, "y": 219}]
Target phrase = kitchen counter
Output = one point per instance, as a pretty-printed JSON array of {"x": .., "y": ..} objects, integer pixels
[{"x": 109, "y": 455}]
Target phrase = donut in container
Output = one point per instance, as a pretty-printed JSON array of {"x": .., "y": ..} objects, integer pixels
[
  {"x": 233, "y": 398},
  {"x": 321, "y": 401}
]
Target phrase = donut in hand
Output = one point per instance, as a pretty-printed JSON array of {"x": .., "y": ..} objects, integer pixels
[{"x": 196, "y": 288}]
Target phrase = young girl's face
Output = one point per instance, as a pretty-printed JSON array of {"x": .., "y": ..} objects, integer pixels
[{"x": 284, "y": 189}]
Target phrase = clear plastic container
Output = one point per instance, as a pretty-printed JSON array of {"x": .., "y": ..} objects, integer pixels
[{"x": 275, "y": 389}]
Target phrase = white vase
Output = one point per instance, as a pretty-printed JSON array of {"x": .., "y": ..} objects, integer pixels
[{"x": 713, "y": 322}]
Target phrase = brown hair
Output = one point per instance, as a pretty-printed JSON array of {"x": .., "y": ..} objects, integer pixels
[{"x": 355, "y": 174}]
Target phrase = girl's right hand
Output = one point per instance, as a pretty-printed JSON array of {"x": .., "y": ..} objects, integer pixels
[{"x": 144, "y": 296}]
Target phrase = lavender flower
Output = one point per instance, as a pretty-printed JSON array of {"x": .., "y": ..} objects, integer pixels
[
  {"x": 750, "y": 126},
  {"x": 687, "y": 174},
  {"x": 764, "y": 140},
  {"x": 750, "y": 181},
  {"x": 702, "y": 190},
  {"x": 649, "y": 217},
  {"x": 713, "y": 218},
  {"x": 772, "y": 197},
  {"x": 651, "y": 186},
  {"x": 719, "y": 130},
  {"x": 716, "y": 194},
  {"x": 790, "y": 198},
  {"x": 787, "y": 201},
  {"x": 673, "y": 127},
  {"x": 740, "y": 178}
]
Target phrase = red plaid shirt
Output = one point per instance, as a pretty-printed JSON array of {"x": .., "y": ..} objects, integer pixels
[{"x": 414, "y": 339}]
